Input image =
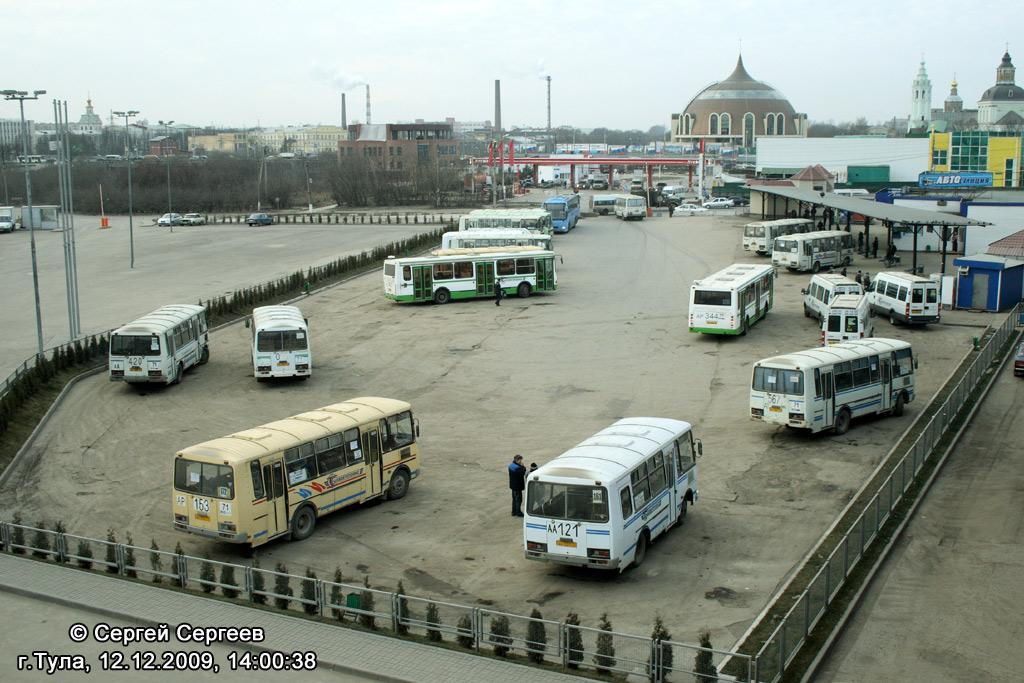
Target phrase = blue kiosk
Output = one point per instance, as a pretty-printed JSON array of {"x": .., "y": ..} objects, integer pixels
[{"x": 989, "y": 283}]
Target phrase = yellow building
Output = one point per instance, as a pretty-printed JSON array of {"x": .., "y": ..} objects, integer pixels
[
  {"x": 998, "y": 153},
  {"x": 232, "y": 143}
]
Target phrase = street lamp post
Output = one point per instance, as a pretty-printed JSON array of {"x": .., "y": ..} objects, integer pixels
[
  {"x": 128, "y": 153},
  {"x": 309, "y": 187},
  {"x": 21, "y": 96},
  {"x": 167, "y": 157}
]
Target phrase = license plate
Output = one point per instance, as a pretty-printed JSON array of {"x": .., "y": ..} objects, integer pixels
[
  {"x": 135, "y": 368},
  {"x": 205, "y": 518},
  {"x": 775, "y": 409},
  {"x": 712, "y": 322},
  {"x": 913, "y": 311},
  {"x": 282, "y": 363},
  {"x": 566, "y": 544}
]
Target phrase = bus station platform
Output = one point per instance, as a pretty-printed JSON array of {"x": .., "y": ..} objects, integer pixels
[{"x": 57, "y": 597}]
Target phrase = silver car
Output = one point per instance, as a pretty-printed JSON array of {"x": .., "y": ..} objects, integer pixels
[{"x": 169, "y": 219}]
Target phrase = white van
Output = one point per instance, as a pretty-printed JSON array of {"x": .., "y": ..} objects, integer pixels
[
  {"x": 673, "y": 193},
  {"x": 628, "y": 206},
  {"x": 823, "y": 288},
  {"x": 848, "y": 317},
  {"x": 603, "y": 204},
  {"x": 280, "y": 343},
  {"x": 905, "y": 298}
]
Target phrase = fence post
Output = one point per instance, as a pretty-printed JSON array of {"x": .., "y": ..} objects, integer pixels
[
  {"x": 477, "y": 624},
  {"x": 320, "y": 593},
  {"x": 182, "y": 571},
  {"x": 119, "y": 556},
  {"x": 5, "y": 536},
  {"x": 249, "y": 587},
  {"x": 394, "y": 612},
  {"x": 62, "y": 548}
]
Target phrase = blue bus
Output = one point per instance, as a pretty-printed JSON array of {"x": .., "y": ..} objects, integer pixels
[{"x": 564, "y": 210}]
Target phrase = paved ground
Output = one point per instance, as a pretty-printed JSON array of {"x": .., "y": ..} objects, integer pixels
[
  {"x": 946, "y": 604},
  {"x": 534, "y": 376}
]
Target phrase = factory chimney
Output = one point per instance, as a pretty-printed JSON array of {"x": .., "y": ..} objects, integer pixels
[
  {"x": 344, "y": 121},
  {"x": 549, "y": 104},
  {"x": 497, "y": 107},
  {"x": 367, "y": 104}
]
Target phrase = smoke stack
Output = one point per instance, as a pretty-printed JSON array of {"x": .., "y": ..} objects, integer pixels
[
  {"x": 367, "y": 104},
  {"x": 497, "y": 106},
  {"x": 344, "y": 119},
  {"x": 549, "y": 103}
]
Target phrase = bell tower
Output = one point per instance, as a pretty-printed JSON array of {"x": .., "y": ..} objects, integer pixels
[{"x": 920, "y": 100}]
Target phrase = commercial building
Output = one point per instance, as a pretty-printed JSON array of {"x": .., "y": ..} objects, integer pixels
[{"x": 401, "y": 146}]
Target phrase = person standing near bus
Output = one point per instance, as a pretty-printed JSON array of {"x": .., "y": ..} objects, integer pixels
[
  {"x": 499, "y": 293},
  {"x": 517, "y": 482}
]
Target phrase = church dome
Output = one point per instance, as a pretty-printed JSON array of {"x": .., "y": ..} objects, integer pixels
[{"x": 1005, "y": 90}]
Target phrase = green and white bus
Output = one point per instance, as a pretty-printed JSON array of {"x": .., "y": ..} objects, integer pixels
[
  {"x": 448, "y": 274},
  {"x": 534, "y": 220},
  {"x": 731, "y": 300}
]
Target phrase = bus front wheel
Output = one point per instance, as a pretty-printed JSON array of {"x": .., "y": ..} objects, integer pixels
[
  {"x": 523, "y": 291},
  {"x": 816, "y": 267},
  {"x": 204, "y": 356},
  {"x": 641, "y": 550},
  {"x": 897, "y": 408},
  {"x": 442, "y": 296},
  {"x": 303, "y": 523},
  {"x": 399, "y": 485},
  {"x": 842, "y": 422}
]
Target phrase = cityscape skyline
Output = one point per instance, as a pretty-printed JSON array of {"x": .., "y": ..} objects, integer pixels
[{"x": 837, "y": 62}]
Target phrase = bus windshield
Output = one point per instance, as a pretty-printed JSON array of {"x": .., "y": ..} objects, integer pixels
[
  {"x": 283, "y": 340},
  {"x": 711, "y": 297},
  {"x": 557, "y": 211},
  {"x": 204, "y": 478},
  {"x": 904, "y": 363},
  {"x": 785, "y": 245},
  {"x": 779, "y": 381},
  {"x": 574, "y": 502},
  {"x": 135, "y": 345}
]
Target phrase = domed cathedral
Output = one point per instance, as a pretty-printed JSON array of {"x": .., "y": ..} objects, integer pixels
[
  {"x": 1001, "y": 107},
  {"x": 736, "y": 111}
]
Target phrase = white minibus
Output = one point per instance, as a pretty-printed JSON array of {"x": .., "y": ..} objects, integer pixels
[
  {"x": 814, "y": 250},
  {"x": 159, "y": 347},
  {"x": 760, "y": 236},
  {"x": 848, "y": 317},
  {"x": 629, "y": 206},
  {"x": 825, "y": 387},
  {"x": 731, "y": 300},
  {"x": 602, "y": 502},
  {"x": 494, "y": 237},
  {"x": 905, "y": 298},
  {"x": 824, "y": 287},
  {"x": 280, "y": 343},
  {"x": 603, "y": 204}
]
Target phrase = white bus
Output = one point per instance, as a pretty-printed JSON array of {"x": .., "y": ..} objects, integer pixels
[
  {"x": 494, "y": 237},
  {"x": 159, "y": 347},
  {"x": 602, "y": 502},
  {"x": 280, "y": 343},
  {"x": 814, "y": 250},
  {"x": 602, "y": 204},
  {"x": 629, "y": 206},
  {"x": 848, "y": 317},
  {"x": 826, "y": 387},
  {"x": 760, "y": 236},
  {"x": 731, "y": 300},
  {"x": 448, "y": 274},
  {"x": 534, "y": 220}
]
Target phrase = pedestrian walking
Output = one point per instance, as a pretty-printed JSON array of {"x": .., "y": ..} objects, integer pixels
[
  {"x": 843, "y": 271},
  {"x": 859, "y": 278},
  {"x": 860, "y": 243},
  {"x": 517, "y": 482},
  {"x": 499, "y": 293},
  {"x": 956, "y": 234},
  {"x": 890, "y": 255},
  {"x": 874, "y": 248},
  {"x": 867, "y": 282}
]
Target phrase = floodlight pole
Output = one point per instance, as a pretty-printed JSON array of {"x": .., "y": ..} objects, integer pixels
[
  {"x": 21, "y": 96},
  {"x": 128, "y": 153}
]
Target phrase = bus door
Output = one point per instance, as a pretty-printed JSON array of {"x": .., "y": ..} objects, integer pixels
[
  {"x": 374, "y": 463},
  {"x": 886, "y": 382},
  {"x": 422, "y": 283},
  {"x": 545, "y": 274},
  {"x": 484, "y": 278},
  {"x": 276, "y": 515},
  {"x": 828, "y": 394}
]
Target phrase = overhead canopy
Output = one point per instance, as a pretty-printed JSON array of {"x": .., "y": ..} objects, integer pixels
[{"x": 866, "y": 207}]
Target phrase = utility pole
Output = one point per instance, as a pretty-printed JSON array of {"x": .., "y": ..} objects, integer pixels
[
  {"x": 167, "y": 157},
  {"x": 128, "y": 153}
]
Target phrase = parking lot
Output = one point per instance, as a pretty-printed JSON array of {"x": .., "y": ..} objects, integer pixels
[{"x": 534, "y": 376}]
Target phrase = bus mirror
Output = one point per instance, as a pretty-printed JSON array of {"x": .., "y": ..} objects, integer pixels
[
  {"x": 306, "y": 320},
  {"x": 247, "y": 321},
  {"x": 803, "y": 291},
  {"x": 915, "y": 362},
  {"x": 417, "y": 426},
  {"x": 561, "y": 259},
  {"x": 700, "y": 448}
]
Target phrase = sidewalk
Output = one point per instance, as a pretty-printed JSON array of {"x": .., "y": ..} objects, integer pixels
[{"x": 373, "y": 657}]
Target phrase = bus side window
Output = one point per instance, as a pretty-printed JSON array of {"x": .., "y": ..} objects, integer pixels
[
  {"x": 278, "y": 480},
  {"x": 627, "y": 503},
  {"x": 873, "y": 367},
  {"x": 330, "y": 453},
  {"x": 353, "y": 450},
  {"x": 257, "y": 479},
  {"x": 817, "y": 383},
  {"x": 656, "y": 473},
  {"x": 371, "y": 444},
  {"x": 301, "y": 463}
]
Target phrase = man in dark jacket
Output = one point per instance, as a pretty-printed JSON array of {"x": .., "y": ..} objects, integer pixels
[{"x": 517, "y": 482}]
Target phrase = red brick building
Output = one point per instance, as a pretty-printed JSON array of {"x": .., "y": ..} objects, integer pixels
[{"x": 401, "y": 146}]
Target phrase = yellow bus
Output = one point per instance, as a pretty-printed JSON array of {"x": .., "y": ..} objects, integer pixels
[{"x": 277, "y": 479}]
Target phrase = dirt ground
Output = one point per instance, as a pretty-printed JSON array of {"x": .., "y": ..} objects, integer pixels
[{"x": 534, "y": 376}]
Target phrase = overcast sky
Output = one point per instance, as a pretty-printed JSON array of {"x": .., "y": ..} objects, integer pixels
[{"x": 613, "y": 64}]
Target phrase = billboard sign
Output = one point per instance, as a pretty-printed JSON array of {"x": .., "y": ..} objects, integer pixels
[{"x": 954, "y": 180}]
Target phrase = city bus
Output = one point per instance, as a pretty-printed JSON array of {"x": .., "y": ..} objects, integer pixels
[
  {"x": 564, "y": 210},
  {"x": 814, "y": 250},
  {"x": 602, "y": 502},
  {"x": 629, "y": 206},
  {"x": 277, "y": 479},
  {"x": 534, "y": 220},
  {"x": 160, "y": 346},
  {"x": 826, "y": 387},
  {"x": 280, "y": 343},
  {"x": 731, "y": 300},
  {"x": 448, "y": 274},
  {"x": 760, "y": 236},
  {"x": 494, "y": 237}
]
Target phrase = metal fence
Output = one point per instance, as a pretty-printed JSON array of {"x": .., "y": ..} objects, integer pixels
[
  {"x": 524, "y": 639},
  {"x": 791, "y": 634},
  {"x": 350, "y": 218}
]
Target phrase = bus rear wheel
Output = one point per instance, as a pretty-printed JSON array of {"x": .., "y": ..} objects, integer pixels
[
  {"x": 399, "y": 485},
  {"x": 897, "y": 407},
  {"x": 842, "y": 423},
  {"x": 816, "y": 267},
  {"x": 178, "y": 373},
  {"x": 303, "y": 523},
  {"x": 523, "y": 290},
  {"x": 641, "y": 550},
  {"x": 442, "y": 296}
]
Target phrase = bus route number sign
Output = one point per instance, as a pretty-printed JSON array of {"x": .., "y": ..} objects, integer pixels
[{"x": 202, "y": 507}]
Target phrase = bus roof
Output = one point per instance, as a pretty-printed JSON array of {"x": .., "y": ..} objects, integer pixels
[
  {"x": 278, "y": 318},
  {"x": 907, "y": 277},
  {"x": 469, "y": 252},
  {"x": 613, "y": 451},
  {"x": 161, "y": 319},
  {"x": 836, "y": 353},
  {"x": 815, "y": 233},
  {"x": 492, "y": 233},
  {"x": 295, "y": 430},
  {"x": 846, "y": 301},
  {"x": 835, "y": 278},
  {"x": 508, "y": 213},
  {"x": 736, "y": 275}
]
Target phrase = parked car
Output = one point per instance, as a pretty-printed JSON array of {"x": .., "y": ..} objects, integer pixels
[
  {"x": 740, "y": 201},
  {"x": 193, "y": 219},
  {"x": 1018, "y": 361},
  {"x": 169, "y": 219},
  {"x": 688, "y": 210},
  {"x": 718, "y": 203},
  {"x": 259, "y": 219},
  {"x": 6, "y": 224},
  {"x": 526, "y": 182}
]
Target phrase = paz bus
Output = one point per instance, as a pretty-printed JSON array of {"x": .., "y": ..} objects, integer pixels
[
  {"x": 448, "y": 274},
  {"x": 564, "y": 210},
  {"x": 534, "y": 220},
  {"x": 277, "y": 479},
  {"x": 814, "y": 250},
  {"x": 731, "y": 300},
  {"x": 494, "y": 237},
  {"x": 160, "y": 346},
  {"x": 280, "y": 343},
  {"x": 826, "y": 387},
  {"x": 760, "y": 236},
  {"x": 602, "y": 502}
]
